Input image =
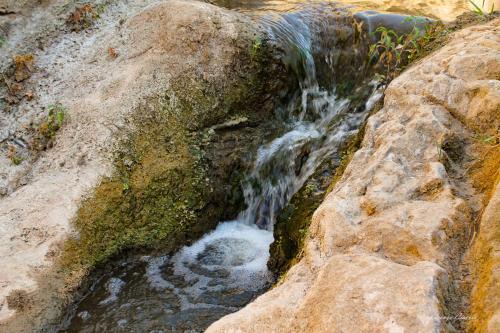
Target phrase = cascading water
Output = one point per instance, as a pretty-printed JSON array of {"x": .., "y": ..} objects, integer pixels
[{"x": 225, "y": 269}]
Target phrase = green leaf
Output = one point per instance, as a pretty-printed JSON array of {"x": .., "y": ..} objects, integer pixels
[
  {"x": 477, "y": 9},
  {"x": 60, "y": 117}
]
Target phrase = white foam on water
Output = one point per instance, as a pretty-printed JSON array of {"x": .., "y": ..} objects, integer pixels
[
  {"x": 250, "y": 246},
  {"x": 113, "y": 286},
  {"x": 153, "y": 272},
  {"x": 238, "y": 250},
  {"x": 122, "y": 323}
]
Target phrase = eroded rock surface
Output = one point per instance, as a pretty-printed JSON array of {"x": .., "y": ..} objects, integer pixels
[
  {"x": 384, "y": 249},
  {"x": 485, "y": 260}
]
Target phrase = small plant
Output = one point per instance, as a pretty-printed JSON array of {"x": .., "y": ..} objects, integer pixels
[
  {"x": 492, "y": 140},
  {"x": 16, "y": 160},
  {"x": 256, "y": 48},
  {"x": 480, "y": 10},
  {"x": 82, "y": 17},
  {"x": 393, "y": 52},
  {"x": 53, "y": 122},
  {"x": 19, "y": 299},
  {"x": 388, "y": 50},
  {"x": 13, "y": 156}
]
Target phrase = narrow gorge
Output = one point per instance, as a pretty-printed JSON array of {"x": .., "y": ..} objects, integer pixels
[{"x": 226, "y": 166}]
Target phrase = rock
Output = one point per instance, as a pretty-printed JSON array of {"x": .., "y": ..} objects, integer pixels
[
  {"x": 401, "y": 24},
  {"x": 485, "y": 259},
  {"x": 137, "y": 162},
  {"x": 384, "y": 248}
]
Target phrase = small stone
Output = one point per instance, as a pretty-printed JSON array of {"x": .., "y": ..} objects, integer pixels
[
  {"x": 84, "y": 315},
  {"x": 122, "y": 323}
]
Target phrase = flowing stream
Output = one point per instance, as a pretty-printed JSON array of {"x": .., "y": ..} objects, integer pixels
[{"x": 226, "y": 269}]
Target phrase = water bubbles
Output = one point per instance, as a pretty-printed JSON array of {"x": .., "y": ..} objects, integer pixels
[
  {"x": 228, "y": 252},
  {"x": 84, "y": 315},
  {"x": 233, "y": 254},
  {"x": 114, "y": 286},
  {"x": 154, "y": 272},
  {"x": 122, "y": 323}
]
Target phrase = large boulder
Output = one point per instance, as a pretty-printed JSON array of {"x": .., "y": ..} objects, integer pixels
[
  {"x": 162, "y": 106},
  {"x": 384, "y": 250}
]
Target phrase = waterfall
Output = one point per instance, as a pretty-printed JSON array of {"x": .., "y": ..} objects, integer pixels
[
  {"x": 317, "y": 121},
  {"x": 231, "y": 260},
  {"x": 226, "y": 268}
]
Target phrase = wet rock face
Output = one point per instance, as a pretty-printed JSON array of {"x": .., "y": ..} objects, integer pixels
[
  {"x": 384, "y": 251},
  {"x": 179, "y": 168}
]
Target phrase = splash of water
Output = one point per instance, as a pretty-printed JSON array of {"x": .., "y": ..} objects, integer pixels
[
  {"x": 233, "y": 258},
  {"x": 227, "y": 267}
]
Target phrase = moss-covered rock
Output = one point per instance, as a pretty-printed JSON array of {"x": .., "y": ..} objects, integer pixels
[{"x": 178, "y": 170}]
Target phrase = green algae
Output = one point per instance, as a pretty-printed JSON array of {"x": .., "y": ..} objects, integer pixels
[
  {"x": 159, "y": 192},
  {"x": 174, "y": 178}
]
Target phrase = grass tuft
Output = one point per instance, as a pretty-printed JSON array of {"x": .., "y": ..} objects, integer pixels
[{"x": 480, "y": 10}]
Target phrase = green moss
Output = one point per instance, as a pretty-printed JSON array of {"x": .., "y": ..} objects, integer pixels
[
  {"x": 171, "y": 185},
  {"x": 16, "y": 159},
  {"x": 291, "y": 229},
  {"x": 159, "y": 192}
]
